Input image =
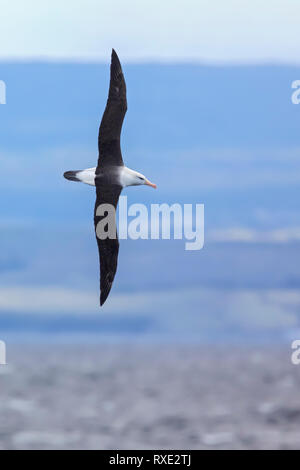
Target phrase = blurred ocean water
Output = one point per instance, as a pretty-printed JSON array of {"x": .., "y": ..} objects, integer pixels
[{"x": 125, "y": 397}]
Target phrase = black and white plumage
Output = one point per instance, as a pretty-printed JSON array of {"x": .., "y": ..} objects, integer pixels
[{"x": 111, "y": 175}]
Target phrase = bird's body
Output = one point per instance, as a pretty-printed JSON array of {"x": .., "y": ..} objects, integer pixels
[
  {"x": 111, "y": 175},
  {"x": 120, "y": 175}
]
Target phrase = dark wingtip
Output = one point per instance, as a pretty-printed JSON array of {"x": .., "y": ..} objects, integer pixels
[
  {"x": 104, "y": 293},
  {"x": 103, "y": 298},
  {"x": 115, "y": 61}
]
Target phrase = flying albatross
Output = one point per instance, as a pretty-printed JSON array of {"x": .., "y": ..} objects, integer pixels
[{"x": 111, "y": 175}]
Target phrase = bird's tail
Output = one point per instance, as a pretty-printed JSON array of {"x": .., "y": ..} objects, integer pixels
[
  {"x": 85, "y": 176},
  {"x": 71, "y": 175}
]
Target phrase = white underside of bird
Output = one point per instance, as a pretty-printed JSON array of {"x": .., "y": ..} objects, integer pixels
[{"x": 126, "y": 176}]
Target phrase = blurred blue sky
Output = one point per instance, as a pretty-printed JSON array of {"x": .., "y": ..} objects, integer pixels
[
  {"x": 225, "y": 135},
  {"x": 216, "y": 31}
]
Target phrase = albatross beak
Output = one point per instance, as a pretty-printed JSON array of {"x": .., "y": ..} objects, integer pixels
[{"x": 148, "y": 183}]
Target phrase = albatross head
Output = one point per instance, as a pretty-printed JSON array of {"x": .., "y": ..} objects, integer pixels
[{"x": 134, "y": 178}]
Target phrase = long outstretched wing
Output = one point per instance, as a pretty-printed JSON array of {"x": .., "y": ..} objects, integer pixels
[
  {"x": 109, "y": 247},
  {"x": 113, "y": 117}
]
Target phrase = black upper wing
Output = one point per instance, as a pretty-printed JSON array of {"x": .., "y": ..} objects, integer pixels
[
  {"x": 113, "y": 117},
  {"x": 108, "y": 247}
]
